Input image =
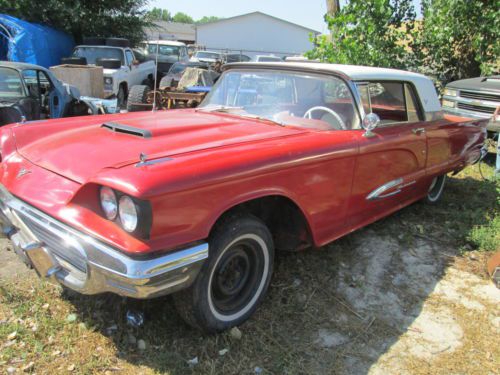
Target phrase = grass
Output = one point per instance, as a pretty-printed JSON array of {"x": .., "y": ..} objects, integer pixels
[{"x": 281, "y": 337}]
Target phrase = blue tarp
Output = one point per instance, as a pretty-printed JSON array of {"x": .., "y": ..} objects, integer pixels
[{"x": 32, "y": 43}]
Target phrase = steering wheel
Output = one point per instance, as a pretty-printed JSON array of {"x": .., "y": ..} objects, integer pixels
[{"x": 309, "y": 112}]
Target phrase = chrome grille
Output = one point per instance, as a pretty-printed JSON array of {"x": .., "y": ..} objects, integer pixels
[
  {"x": 480, "y": 96},
  {"x": 61, "y": 247},
  {"x": 476, "y": 108}
]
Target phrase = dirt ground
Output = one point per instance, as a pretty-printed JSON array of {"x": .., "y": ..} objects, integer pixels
[{"x": 397, "y": 297}]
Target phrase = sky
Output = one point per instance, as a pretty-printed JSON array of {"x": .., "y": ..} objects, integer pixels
[{"x": 307, "y": 13}]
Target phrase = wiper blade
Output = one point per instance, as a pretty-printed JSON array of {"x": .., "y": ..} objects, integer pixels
[{"x": 256, "y": 117}]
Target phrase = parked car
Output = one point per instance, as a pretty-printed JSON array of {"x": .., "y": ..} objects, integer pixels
[
  {"x": 31, "y": 92},
  {"x": 268, "y": 58},
  {"x": 236, "y": 57},
  {"x": 121, "y": 68},
  {"x": 174, "y": 75},
  {"x": 196, "y": 202},
  {"x": 169, "y": 53},
  {"x": 475, "y": 97},
  {"x": 207, "y": 57}
]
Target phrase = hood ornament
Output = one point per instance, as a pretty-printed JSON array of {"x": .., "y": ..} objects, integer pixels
[{"x": 143, "y": 157}]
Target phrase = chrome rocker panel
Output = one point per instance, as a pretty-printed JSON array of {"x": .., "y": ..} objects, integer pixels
[{"x": 84, "y": 264}]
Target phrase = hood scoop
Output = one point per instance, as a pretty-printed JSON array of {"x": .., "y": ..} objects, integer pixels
[{"x": 126, "y": 129}]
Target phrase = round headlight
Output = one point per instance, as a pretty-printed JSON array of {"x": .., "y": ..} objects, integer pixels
[
  {"x": 108, "y": 202},
  {"x": 128, "y": 213}
]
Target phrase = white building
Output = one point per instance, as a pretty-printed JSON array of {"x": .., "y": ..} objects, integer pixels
[{"x": 255, "y": 34}]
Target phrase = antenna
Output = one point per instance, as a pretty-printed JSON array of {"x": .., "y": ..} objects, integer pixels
[{"x": 156, "y": 73}]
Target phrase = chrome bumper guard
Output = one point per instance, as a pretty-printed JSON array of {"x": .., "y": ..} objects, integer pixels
[{"x": 82, "y": 263}]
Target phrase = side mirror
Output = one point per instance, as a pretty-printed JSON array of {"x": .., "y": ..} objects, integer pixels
[{"x": 369, "y": 123}]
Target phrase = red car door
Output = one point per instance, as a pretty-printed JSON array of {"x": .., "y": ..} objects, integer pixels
[{"x": 390, "y": 167}]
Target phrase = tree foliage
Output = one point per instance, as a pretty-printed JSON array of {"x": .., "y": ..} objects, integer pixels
[
  {"x": 182, "y": 18},
  {"x": 368, "y": 32},
  {"x": 105, "y": 18},
  {"x": 459, "y": 38},
  {"x": 158, "y": 14},
  {"x": 208, "y": 19},
  {"x": 455, "y": 39}
]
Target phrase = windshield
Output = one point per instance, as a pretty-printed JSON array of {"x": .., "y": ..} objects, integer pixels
[
  {"x": 299, "y": 99},
  {"x": 93, "y": 53},
  {"x": 10, "y": 84},
  {"x": 177, "y": 68},
  {"x": 163, "y": 50},
  {"x": 208, "y": 55}
]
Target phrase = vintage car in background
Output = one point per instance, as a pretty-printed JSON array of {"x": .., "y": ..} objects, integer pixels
[
  {"x": 31, "y": 92},
  {"x": 174, "y": 74},
  {"x": 474, "y": 97},
  {"x": 210, "y": 57},
  {"x": 165, "y": 53},
  {"x": 195, "y": 202}
]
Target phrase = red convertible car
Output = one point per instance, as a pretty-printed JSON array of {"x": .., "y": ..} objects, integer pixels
[{"x": 279, "y": 156}]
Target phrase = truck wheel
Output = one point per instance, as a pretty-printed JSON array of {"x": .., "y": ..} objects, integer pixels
[
  {"x": 234, "y": 278},
  {"x": 74, "y": 60},
  {"x": 138, "y": 94},
  {"x": 435, "y": 189}
]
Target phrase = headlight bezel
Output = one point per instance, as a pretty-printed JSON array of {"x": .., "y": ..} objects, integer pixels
[
  {"x": 108, "y": 81},
  {"x": 144, "y": 214},
  {"x": 448, "y": 91},
  {"x": 109, "y": 194}
]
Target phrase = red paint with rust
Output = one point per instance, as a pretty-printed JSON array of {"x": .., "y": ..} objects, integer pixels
[{"x": 216, "y": 161}]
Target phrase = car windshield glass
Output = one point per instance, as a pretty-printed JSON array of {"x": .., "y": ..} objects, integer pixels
[
  {"x": 10, "y": 84},
  {"x": 94, "y": 53},
  {"x": 207, "y": 55},
  {"x": 177, "y": 68},
  {"x": 297, "y": 99}
]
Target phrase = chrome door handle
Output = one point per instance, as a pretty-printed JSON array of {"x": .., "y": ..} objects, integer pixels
[{"x": 418, "y": 131}]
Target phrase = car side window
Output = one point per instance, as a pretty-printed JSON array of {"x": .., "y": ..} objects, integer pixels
[
  {"x": 393, "y": 102},
  {"x": 129, "y": 56},
  {"x": 31, "y": 80}
]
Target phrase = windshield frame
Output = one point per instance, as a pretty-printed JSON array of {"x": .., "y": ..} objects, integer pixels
[
  {"x": 283, "y": 67},
  {"x": 23, "y": 86}
]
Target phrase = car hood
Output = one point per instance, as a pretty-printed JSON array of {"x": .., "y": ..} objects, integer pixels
[
  {"x": 491, "y": 83},
  {"x": 79, "y": 148}
]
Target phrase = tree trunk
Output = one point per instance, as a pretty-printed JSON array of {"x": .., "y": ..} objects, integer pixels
[{"x": 332, "y": 7}]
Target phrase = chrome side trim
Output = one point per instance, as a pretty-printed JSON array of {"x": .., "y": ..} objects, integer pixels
[
  {"x": 89, "y": 266},
  {"x": 144, "y": 163},
  {"x": 378, "y": 193}
]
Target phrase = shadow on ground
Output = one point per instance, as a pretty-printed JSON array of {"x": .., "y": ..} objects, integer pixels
[{"x": 335, "y": 310}]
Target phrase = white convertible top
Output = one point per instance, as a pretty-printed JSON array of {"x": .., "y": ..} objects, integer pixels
[{"x": 424, "y": 86}]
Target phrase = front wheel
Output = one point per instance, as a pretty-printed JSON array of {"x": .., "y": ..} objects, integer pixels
[
  {"x": 233, "y": 280},
  {"x": 435, "y": 189}
]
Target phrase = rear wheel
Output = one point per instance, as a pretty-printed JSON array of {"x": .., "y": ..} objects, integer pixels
[
  {"x": 138, "y": 95},
  {"x": 436, "y": 189},
  {"x": 233, "y": 280}
]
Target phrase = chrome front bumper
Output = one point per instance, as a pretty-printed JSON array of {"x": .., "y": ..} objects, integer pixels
[{"x": 84, "y": 264}]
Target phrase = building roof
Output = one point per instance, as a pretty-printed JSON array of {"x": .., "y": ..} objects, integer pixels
[
  {"x": 257, "y": 13},
  {"x": 174, "y": 30}
]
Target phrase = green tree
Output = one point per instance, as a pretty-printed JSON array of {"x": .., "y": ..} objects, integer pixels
[
  {"x": 208, "y": 19},
  {"x": 182, "y": 18},
  {"x": 119, "y": 18},
  {"x": 459, "y": 38},
  {"x": 369, "y": 32},
  {"x": 158, "y": 14}
]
